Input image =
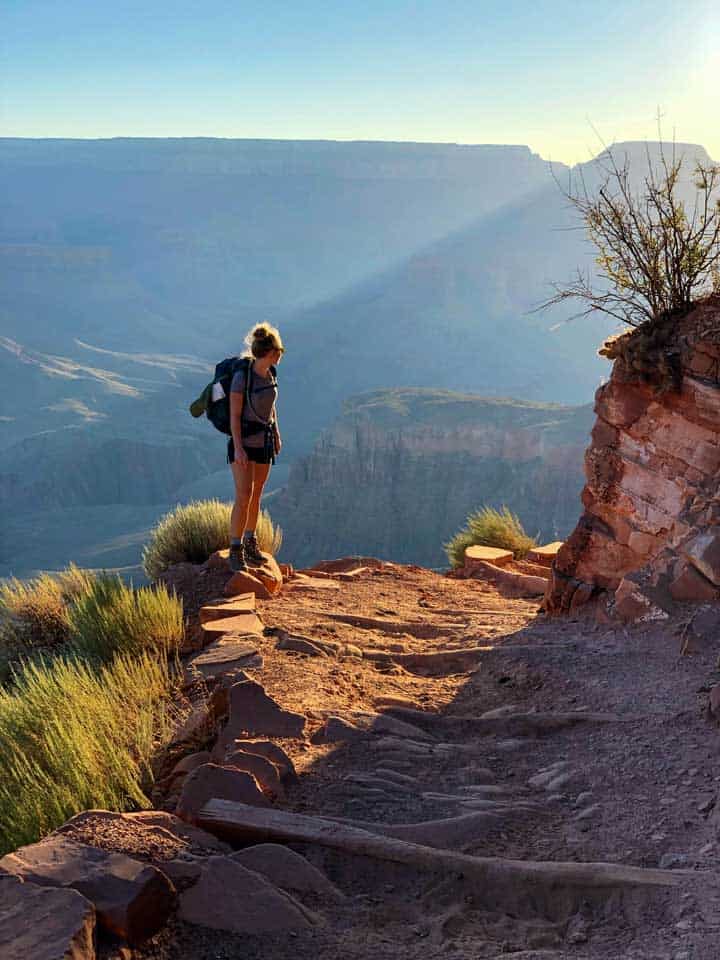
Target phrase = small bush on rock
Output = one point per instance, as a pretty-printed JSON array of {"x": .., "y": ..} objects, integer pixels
[
  {"x": 490, "y": 528},
  {"x": 193, "y": 532},
  {"x": 112, "y": 618},
  {"x": 72, "y": 739}
]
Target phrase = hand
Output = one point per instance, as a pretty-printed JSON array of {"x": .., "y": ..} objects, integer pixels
[
  {"x": 241, "y": 458},
  {"x": 278, "y": 444}
]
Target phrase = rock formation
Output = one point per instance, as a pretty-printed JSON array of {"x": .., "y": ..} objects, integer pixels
[
  {"x": 399, "y": 473},
  {"x": 650, "y": 533}
]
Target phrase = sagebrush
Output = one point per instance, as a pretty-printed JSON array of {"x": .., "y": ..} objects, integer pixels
[
  {"x": 34, "y": 614},
  {"x": 488, "y": 527},
  {"x": 112, "y": 618},
  {"x": 73, "y": 739},
  {"x": 193, "y": 532}
]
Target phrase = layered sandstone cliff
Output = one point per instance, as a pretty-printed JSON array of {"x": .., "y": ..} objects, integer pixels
[{"x": 650, "y": 533}]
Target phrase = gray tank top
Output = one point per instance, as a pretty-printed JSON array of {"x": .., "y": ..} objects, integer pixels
[{"x": 263, "y": 394}]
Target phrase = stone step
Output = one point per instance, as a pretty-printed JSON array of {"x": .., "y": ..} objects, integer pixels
[
  {"x": 226, "y": 656},
  {"x": 218, "y": 609},
  {"x": 248, "y": 622},
  {"x": 494, "y": 555},
  {"x": 546, "y": 554}
]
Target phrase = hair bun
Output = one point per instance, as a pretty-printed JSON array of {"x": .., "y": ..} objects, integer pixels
[{"x": 261, "y": 332}]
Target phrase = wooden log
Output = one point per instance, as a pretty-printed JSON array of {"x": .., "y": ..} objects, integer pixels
[
  {"x": 437, "y": 663},
  {"x": 551, "y": 888}
]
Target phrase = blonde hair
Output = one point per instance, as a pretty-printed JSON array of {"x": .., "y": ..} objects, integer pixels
[{"x": 263, "y": 339}]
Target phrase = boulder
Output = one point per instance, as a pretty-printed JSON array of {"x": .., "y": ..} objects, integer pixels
[
  {"x": 44, "y": 923},
  {"x": 271, "y": 751},
  {"x": 337, "y": 730},
  {"x": 253, "y": 712},
  {"x": 264, "y": 581},
  {"x": 690, "y": 586},
  {"x": 133, "y": 900},
  {"x": 230, "y": 897},
  {"x": 287, "y": 870},
  {"x": 245, "y": 582},
  {"x": 263, "y": 770},
  {"x": 213, "y": 782},
  {"x": 632, "y": 605},
  {"x": 703, "y": 552}
]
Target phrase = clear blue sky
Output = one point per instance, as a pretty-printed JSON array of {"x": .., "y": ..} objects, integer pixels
[{"x": 502, "y": 71}]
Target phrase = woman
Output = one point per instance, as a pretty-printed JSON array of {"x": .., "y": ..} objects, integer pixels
[{"x": 255, "y": 440}]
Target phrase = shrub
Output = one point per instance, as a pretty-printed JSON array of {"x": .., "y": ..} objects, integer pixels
[
  {"x": 112, "y": 618},
  {"x": 34, "y": 614},
  {"x": 655, "y": 257},
  {"x": 36, "y": 611},
  {"x": 193, "y": 532},
  {"x": 72, "y": 739},
  {"x": 490, "y": 528}
]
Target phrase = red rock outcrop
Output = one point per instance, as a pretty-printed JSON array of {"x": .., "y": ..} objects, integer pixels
[{"x": 650, "y": 532}]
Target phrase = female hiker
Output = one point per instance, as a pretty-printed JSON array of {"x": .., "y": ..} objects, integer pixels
[{"x": 255, "y": 440}]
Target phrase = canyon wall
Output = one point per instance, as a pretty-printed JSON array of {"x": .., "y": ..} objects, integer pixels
[
  {"x": 650, "y": 532},
  {"x": 398, "y": 474}
]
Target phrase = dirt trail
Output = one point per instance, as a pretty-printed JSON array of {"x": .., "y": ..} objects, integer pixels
[{"x": 566, "y": 742}]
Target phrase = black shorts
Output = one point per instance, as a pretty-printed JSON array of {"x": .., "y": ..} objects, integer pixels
[{"x": 255, "y": 454}]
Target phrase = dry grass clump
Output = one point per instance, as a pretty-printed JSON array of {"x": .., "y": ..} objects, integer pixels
[
  {"x": 36, "y": 611},
  {"x": 73, "y": 739},
  {"x": 112, "y": 618},
  {"x": 488, "y": 527},
  {"x": 193, "y": 532}
]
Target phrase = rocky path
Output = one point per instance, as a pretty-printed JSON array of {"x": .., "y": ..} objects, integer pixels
[
  {"x": 473, "y": 781},
  {"x": 563, "y": 743}
]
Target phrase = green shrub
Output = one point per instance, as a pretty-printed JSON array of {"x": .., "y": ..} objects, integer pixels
[
  {"x": 192, "y": 533},
  {"x": 112, "y": 618},
  {"x": 72, "y": 739},
  {"x": 490, "y": 528}
]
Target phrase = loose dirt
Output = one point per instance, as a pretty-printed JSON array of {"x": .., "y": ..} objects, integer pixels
[{"x": 597, "y": 749}]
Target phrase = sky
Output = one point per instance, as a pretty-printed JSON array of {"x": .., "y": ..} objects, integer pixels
[{"x": 552, "y": 74}]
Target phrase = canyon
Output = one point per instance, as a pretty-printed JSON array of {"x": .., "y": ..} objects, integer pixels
[{"x": 397, "y": 475}]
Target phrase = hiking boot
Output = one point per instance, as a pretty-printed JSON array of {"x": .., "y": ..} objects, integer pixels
[
  {"x": 252, "y": 552},
  {"x": 237, "y": 559}
]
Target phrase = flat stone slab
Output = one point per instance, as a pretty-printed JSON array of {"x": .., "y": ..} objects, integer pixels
[
  {"x": 226, "y": 656},
  {"x": 494, "y": 555},
  {"x": 248, "y": 622},
  {"x": 546, "y": 554},
  {"x": 287, "y": 869},
  {"x": 133, "y": 900},
  {"x": 218, "y": 609},
  {"x": 44, "y": 923},
  {"x": 230, "y": 897}
]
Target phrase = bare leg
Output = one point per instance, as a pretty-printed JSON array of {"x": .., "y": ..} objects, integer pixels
[
  {"x": 243, "y": 477},
  {"x": 261, "y": 472}
]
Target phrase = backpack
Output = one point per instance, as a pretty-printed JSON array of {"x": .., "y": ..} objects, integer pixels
[{"x": 218, "y": 410}]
